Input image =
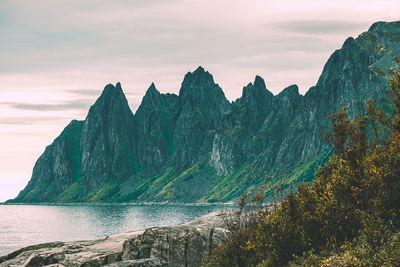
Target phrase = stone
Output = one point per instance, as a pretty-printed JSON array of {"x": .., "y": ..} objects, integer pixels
[{"x": 180, "y": 245}]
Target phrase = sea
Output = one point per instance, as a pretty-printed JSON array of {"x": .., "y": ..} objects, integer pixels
[{"x": 25, "y": 225}]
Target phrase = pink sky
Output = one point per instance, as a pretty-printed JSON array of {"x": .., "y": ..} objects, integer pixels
[{"x": 57, "y": 56}]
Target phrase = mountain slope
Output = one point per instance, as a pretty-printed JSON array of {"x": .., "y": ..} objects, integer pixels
[{"x": 196, "y": 146}]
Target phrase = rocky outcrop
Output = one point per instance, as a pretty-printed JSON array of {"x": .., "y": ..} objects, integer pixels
[
  {"x": 155, "y": 125},
  {"x": 201, "y": 105},
  {"x": 181, "y": 245},
  {"x": 107, "y": 143},
  {"x": 198, "y": 147},
  {"x": 57, "y": 167}
]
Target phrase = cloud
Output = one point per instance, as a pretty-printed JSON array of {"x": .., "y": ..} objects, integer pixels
[
  {"x": 320, "y": 26},
  {"x": 85, "y": 92},
  {"x": 25, "y": 120},
  {"x": 53, "y": 52},
  {"x": 72, "y": 105},
  {"x": 93, "y": 93}
]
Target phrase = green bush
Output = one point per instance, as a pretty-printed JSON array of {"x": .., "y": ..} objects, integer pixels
[{"x": 347, "y": 217}]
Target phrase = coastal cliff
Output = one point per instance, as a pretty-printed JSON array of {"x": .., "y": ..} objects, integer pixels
[{"x": 198, "y": 147}]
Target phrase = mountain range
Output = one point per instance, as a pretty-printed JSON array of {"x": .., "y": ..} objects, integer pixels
[{"x": 199, "y": 147}]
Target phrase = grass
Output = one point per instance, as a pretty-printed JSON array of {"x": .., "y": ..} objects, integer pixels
[
  {"x": 73, "y": 193},
  {"x": 165, "y": 191},
  {"x": 230, "y": 185},
  {"x": 108, "y": 189}
]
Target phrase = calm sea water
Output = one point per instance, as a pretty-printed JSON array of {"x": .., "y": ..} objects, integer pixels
[{"x": 24, "y": 225}]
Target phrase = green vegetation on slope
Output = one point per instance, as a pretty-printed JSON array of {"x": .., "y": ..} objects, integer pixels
[
  {"x": 73, "y": 193},
  {"x": 349, "y": 216},
  {"x": 196, "y": 146}
]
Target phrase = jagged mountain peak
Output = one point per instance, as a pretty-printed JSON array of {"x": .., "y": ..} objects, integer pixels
[
  {"x": 384, "y": 26},
  {"x": 349, "y": 42},
  {"x": 111, "y": 103},
  {"x": 343, "y": 62},
  {"x": 376, "y": 25},
  {"x": 150, "y": 99},
  {"x": 381, "y": 38},
  {"x": 199, "y": 88},
  {"x": 349, "y": 46},
  {"x": 259, "y": 83},
  {"x": 199, "y": 69},
  {"x": 152, "y": 87},
  {"x": 174, "y": 146},
  {"x": 107, "y": 138},
  {"x": 110, "y": 86},
  {"x": 255, "y": 92},
  {"x": 199, "y": 77},
  {"x": 382, "y": 42},
  {"x": 111, "y": 95},
  {"x": 152, "y": 91},
  {"x": 289, "y": 92},
  {"x": 111, "y": 91}
]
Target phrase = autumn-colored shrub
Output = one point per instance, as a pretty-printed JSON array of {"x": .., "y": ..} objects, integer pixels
[{"x": 349, "y": 216}]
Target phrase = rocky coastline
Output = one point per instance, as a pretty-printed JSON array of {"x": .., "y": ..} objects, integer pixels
[{"x": 180, "y": 245}]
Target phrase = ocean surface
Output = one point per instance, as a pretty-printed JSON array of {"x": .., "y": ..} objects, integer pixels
[{"x": 24, "y": 225}]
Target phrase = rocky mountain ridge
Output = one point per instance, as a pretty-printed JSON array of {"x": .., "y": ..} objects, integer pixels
[{"x": 199, "y": 147}]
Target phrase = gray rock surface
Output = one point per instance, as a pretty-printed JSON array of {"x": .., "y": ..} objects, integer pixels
[{"x": 180, "y": 245}]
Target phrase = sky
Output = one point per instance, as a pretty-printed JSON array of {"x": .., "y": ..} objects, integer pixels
[{"x": 57, "y": 56}]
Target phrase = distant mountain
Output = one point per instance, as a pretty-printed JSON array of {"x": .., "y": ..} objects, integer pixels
[{"x": 199, "y": 147}]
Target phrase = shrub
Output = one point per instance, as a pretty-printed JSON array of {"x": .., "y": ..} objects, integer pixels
[{"x": 347, "y": 217}]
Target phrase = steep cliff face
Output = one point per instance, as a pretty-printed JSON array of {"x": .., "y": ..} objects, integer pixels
[
  {"x": 290, "y": 143},
  {"x": 107, "y": 143},
  {"x": 88, "y": 155},
  {"x": 201, "y": 105},
  {"x": 196, "y": 146},
  {"x": 56, "y": 168},
  {"x": 154, "y": 130},
  {"x": 235, "y": 140}
]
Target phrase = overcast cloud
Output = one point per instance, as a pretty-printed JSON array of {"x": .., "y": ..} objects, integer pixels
[{"x": 57, "y": 56}]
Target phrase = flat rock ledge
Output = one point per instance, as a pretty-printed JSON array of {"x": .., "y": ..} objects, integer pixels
[{"x": 180, "y": 245}]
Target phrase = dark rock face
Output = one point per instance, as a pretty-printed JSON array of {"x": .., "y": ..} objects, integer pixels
[
  {"x": 196, "y": 146},
  {"x": 57, "y": 167},
  {"x": 155, "y": 125},
  {"x": 201, "y": 105},
  {"x": 88, "y": 154},
  {"x": 107, "y": 142}
]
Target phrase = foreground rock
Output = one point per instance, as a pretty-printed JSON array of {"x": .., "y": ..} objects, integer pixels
[{"x": 181, "y": 245}]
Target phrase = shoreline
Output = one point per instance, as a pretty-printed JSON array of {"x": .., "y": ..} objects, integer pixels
[
  {"x": 121, "y": 204},
  {"x": 174, "y": 245}
]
